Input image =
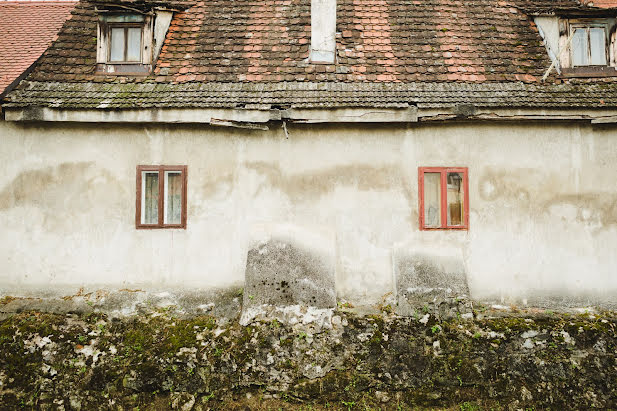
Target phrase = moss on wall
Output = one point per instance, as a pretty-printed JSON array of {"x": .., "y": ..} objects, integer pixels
[{"x": 159, "y": 361}]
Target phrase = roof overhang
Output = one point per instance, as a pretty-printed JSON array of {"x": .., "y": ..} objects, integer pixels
[{"x": 259, "y": 118}]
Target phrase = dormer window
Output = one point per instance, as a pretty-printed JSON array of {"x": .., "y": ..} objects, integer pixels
[
  {"x": 124, "y": 43},
  {"x": 588, "y": 46}
]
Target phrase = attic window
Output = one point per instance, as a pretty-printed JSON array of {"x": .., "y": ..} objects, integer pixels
[
  {"x": 124, "y": 43},
  {"x": 588, "y": 45}
]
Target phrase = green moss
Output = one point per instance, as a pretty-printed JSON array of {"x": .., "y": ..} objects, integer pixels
[{"x": 511, "y": 324}]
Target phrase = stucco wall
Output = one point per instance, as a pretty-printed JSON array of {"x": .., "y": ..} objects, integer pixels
[{"x": 543, "y": 198}]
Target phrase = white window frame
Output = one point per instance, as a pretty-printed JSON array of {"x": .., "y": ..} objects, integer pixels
[
  {"x": 566, "y": 37},
  {"x": 587, "y": 27},
  {"x": 107, "y": 21}
]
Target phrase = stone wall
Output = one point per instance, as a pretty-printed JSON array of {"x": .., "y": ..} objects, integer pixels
[{"x": 159, "y": 361}]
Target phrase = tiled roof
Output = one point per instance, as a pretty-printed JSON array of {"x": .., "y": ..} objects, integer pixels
[
  {"x": 27, "y": 28},
  {"x": 600, "y": 3},
  {"x": 546, "y": 6},
  {"x": 312, "y": 95},
  {"x": 379, "y": 41},
  {"x": 233, "y": 53}
]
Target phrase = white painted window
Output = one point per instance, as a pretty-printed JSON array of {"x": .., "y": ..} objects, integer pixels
[
  {"x": 125, "y": 44},
  {"x": 589, "y": 45}
]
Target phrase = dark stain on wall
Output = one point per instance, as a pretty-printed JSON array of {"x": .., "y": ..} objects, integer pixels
[
  {"x": 539, "y": 192},
  {"x": 320, "y": 182},
  {"x": 67, "y": 190}
]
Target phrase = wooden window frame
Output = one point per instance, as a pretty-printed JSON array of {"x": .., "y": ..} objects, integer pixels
[
  {"x": 443, "y": 205},
  {"x": 126, "y": 27},
  {"x": 161, "y": 214},
  {"x": 587, "y": 26}
]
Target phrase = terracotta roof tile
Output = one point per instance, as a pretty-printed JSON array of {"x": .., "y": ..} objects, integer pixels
[
  {"x": 27, "y": 28},
  {"x": 380, "y": 40}
]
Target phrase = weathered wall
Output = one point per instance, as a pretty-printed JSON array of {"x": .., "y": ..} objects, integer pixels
[{"x": 543, "y": 219}]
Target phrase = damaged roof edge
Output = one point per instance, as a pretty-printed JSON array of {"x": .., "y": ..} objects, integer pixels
[
  {"x": 218, "y": 116},
  {"x": 257, "y": 119}
]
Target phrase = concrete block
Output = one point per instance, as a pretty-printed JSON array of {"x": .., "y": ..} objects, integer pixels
[
  {"x": 291, "y": 269},
  {"x": 423, "y": 280}
]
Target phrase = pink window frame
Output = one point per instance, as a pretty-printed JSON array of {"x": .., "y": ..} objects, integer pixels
[{"x": 443, "y": 202}]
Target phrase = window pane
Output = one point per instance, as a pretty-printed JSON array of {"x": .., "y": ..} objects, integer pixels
[
  {"x": 173, "y": 197},
  {"x": 579, "y": 48},
  {"x": 455, "y": 198},
  {"x": 116, "y": 52},
  {"x": 598, "y": 46},
  {"x": 432, "y": 199},
  {"x": 150, "y": 197},
  {"x": 134, "y": 44}
]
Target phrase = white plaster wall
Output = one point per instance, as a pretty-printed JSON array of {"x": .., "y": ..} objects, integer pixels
[{"x": 543, "y": 201}]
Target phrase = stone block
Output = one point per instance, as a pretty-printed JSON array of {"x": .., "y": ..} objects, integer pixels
[
  {"x": 288, "y": 270},
  {"x": 430, "y": 282}
]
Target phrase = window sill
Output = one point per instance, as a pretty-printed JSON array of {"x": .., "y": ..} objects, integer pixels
[
  {"x": 599, "y": 71},
  {"x": 444, "y": 228},
  {"x": 123, "y": 69},
  {"x": 156, "y": 226}
]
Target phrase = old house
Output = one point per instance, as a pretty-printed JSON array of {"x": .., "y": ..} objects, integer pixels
[{"x": 315, "y": 150}]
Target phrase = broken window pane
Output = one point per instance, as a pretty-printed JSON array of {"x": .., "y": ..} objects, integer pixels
[
  {"x": 116, "y": 51},
  {"x": 455, "y": 198},
  {"x": 173, "y": 197},
  {"x": 150, "y": 197},
  {"x": 598, "y": 46},
  {"x": 133, "y": 52},
  {"x": 432, "y": 199}
]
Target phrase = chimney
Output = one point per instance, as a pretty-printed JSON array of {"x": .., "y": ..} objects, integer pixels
[{"x": 323, "y": 31}]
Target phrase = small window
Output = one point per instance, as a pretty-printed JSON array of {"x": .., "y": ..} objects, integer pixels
[
  {"x": 125, "y": 44},
  {"x": 444, "y": 198},
  {"x": 161, "y": 197},
  {"x": 589, "y": 45}
]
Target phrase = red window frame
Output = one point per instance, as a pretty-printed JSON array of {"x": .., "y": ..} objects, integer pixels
[
  {"x": 161, "y": 170},
  {"x": 443, "y": 206}
]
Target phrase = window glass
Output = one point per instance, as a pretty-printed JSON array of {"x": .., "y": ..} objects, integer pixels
[
  {"x": 116, "y": 51},
  {"x": 150, "y": 197},
  {"x": 455, "y": 197},
  {"x": 133, "y": 49},
  {"x": 432, "y": 199},
  {"x": 173, "y": 197},
  {"x": 579, "y": 48},
  {"x": 598, "y": 46}
]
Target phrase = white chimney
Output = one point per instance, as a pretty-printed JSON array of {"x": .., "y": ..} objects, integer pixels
[{"x": 323, "y": 31}]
